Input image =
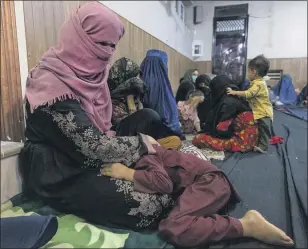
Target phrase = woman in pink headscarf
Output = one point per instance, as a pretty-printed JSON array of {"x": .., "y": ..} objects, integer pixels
[
  {"x": 68, "y": 124},
  {"x": 70, "y": 143}
]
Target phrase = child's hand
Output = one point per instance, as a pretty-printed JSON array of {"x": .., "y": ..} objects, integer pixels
[
  {"x": 230, "y": 91},
  {"x": 152, "y": 141},
  {"x": 118, "y": 171}
]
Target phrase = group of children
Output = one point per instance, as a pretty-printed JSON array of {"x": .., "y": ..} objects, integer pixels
[{"x": 257, "y": 95}]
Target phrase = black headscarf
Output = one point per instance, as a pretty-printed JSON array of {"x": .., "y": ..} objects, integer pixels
[
  {"x": 123, "y": 79},
  {"x": 218, "y": 88},
  {"x": 188, "y": 77},
  {"x": 202, "y": 80},
  {"x": 203, "y": 84},
  {"x": 223, "y": 107},
  {"x": 185, "y": 88}
]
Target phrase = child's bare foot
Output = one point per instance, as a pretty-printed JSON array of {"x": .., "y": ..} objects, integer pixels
[{"x": 257, "y": 227}]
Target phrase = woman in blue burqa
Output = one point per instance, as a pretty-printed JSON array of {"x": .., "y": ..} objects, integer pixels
[
  {"x": 159, "y": 97},
  {"x": 284, "y": 89}
]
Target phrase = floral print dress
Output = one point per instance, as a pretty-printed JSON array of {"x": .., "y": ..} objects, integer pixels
[
  {"x": 188, "y": 117},
  {"x": 246, "y": 135}
]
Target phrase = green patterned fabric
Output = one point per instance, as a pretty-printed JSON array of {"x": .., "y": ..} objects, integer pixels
[{"x": 74, "y": 232}]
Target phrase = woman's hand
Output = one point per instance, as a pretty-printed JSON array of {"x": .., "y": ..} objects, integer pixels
[
  {"x": 119, "y": 171},
  {"x": 297, "y": 91},
  {"x": 131, "y": 104}
]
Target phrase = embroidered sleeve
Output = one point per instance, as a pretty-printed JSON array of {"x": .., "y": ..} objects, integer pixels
[{"x": 97, "y": 148}]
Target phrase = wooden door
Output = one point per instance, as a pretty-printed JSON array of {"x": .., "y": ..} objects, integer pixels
[{"x": 12, "y": 117}]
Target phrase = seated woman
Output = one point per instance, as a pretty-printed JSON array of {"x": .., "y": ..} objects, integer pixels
[
  {"x": 285, "y": 90},
  {"x": 68, "y": 127},
  {"x": 127, "y": 90},
  {"x": 159, "y": 97},
  {"x": 69, "y": 142},
  {"x": 203, "y": 84},
  {"x": 230, "y": 125},
  {"x": 188, "y": 112},
  {"x": 190, "y": 76},
  {"x": 302, "y": 97}
]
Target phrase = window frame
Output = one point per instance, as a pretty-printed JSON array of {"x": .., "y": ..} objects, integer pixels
[{"x": 180, "y": 9}]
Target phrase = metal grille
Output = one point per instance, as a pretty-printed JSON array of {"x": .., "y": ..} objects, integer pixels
[
  {"x": 275, "y": 74},
  {"x": 231, "y": 10},
  {"x": 230, "y": 25}
]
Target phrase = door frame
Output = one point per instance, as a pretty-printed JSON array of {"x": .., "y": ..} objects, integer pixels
[
  {"x": 12, "y": 111},
  {"x": 246, "y": 22}
]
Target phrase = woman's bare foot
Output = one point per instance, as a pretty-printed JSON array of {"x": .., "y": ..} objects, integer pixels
[{"x": 257, "y": 227}]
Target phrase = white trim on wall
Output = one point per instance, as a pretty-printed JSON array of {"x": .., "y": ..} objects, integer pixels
[{"x": 22, "y": 45}]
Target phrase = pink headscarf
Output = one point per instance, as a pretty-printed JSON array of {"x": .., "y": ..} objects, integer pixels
[{"x": 78, "y": 66}]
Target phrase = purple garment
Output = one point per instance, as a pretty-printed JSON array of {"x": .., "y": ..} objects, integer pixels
[{"x": 194, "y": 220}]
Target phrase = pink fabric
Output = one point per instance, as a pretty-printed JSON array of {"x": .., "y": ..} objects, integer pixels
[
  {"x": 78, "y": 66},
  {"x": 276, "y": 140},
  {"x": 188, "y": 112}
]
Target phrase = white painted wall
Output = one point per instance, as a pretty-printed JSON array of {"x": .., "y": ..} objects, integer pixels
[
  {"x": 152, "y": 17},
  {"x": 276, "y": 29}
]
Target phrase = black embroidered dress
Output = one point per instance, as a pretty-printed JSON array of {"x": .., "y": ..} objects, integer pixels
[{"x": 61, "y": 160}]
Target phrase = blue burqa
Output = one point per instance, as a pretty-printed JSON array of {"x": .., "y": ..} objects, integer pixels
[
  {"x": 159, "y": 97},
  {"x": 284, "y": 89}
]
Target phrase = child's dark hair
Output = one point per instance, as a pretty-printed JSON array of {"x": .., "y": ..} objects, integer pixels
[{"x": 260, "y": 64}]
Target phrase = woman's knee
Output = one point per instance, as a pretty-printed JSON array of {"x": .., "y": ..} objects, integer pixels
[
  {"x": 149, "y": 114},
  {"x": 171, "y": 142}
]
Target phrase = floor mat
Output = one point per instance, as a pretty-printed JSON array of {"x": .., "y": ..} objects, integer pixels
[
  {"x": 208, "y": 154},
  {"x": 275, "y": 184},
  {"x": 74, "y": 232},
  {"x": 295, "y": 111}
]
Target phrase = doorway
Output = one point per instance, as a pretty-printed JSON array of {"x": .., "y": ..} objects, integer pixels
[{"x": 229, "y": 52}]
